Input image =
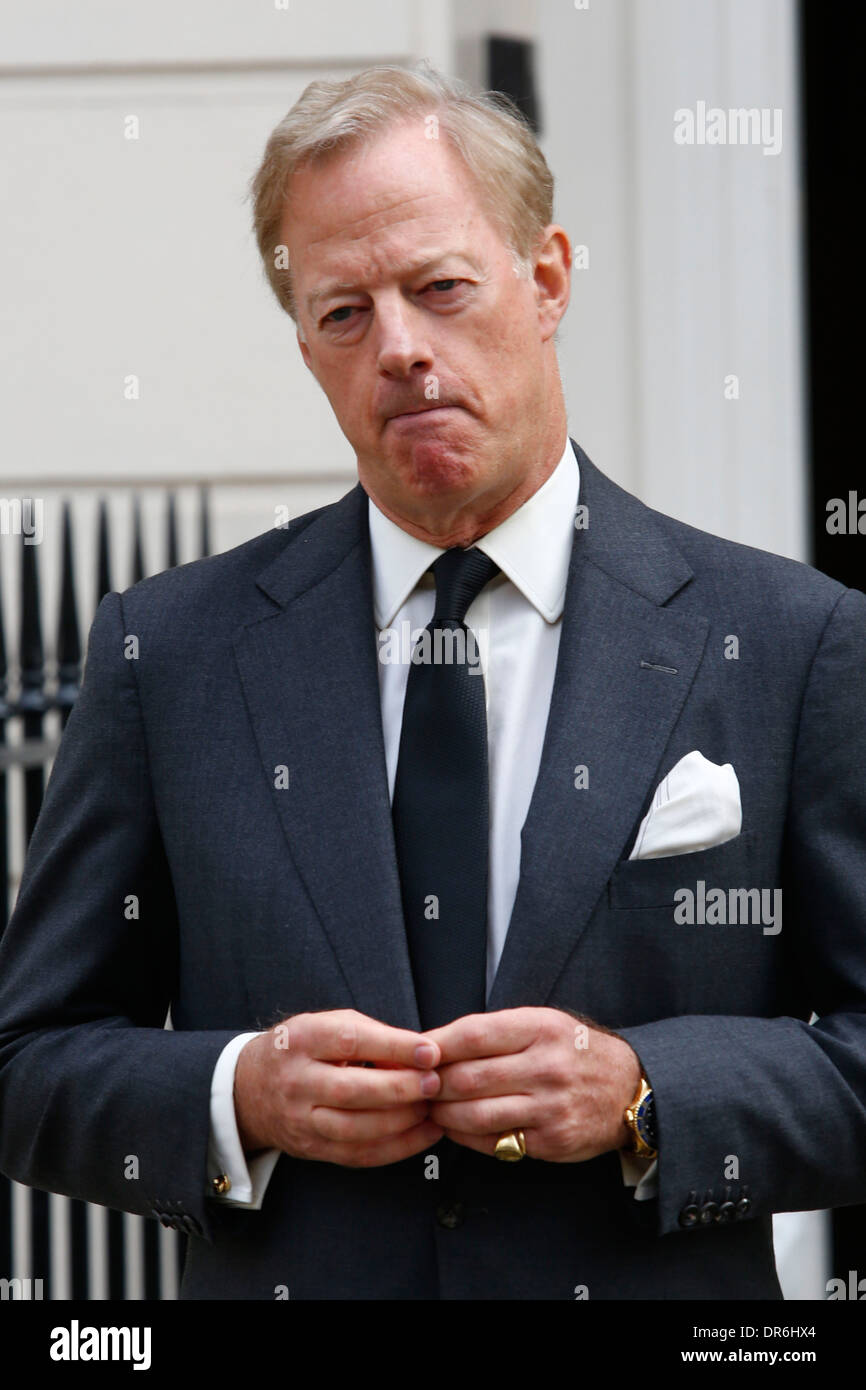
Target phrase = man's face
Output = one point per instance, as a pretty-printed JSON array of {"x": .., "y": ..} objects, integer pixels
[{"x": 436, "y": 358}]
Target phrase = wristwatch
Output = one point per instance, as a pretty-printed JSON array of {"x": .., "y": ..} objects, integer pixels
[{"x": 640, "y": 1118}]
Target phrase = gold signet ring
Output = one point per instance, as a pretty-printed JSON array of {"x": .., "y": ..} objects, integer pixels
[{"x": 511, "y": 1147}]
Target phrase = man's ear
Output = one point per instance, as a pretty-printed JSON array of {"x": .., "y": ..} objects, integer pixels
[{"x": 552, "y": 275}]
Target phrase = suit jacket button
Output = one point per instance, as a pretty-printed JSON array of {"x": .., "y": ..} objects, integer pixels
[
  {"x": 727, "y": 1211},
  {"x": 709, "y": 1213},
  {"x": 744, "y": 1206},
  {"x": 690, "y": 1213},
  {"x": 450, "y": 1214}
]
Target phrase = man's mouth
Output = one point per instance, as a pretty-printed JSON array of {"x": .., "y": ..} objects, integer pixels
[{"x": 420, "y": 411}]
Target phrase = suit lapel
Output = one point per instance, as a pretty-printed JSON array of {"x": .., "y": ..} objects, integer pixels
[
  {"x": 608, "y": 714},
  {"x": 309, "y": 674}
]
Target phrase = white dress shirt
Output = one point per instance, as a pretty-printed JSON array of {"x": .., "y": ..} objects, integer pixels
[{"x": 517, "y": 622}]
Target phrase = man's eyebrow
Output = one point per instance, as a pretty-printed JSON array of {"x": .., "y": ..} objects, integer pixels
[{"x": 347, "y": 287}]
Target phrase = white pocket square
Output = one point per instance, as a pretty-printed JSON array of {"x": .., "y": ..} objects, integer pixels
[{"x": 695, "y": 807}]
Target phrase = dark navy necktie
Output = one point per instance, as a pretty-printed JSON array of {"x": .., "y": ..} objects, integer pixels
[{"x": 440, "y": 806}]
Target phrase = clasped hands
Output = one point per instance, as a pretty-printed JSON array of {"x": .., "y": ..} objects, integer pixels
[{"x": 341, "y": 1087}]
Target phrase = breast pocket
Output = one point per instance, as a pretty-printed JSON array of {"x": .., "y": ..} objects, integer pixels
[{"x": 652, "y": 883}]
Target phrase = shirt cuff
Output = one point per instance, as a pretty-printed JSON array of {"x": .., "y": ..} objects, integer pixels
[
  {"x": 639, "y": 1173},
  {"x": 248, "y": 1178}
]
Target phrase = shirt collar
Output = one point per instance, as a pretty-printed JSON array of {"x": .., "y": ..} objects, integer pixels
[{"x": 532, "y": 547}]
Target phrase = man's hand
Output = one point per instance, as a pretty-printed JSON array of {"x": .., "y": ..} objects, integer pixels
[
  {"x": 303, "y": 1088},
  {"x": 564, "y": 1082}
]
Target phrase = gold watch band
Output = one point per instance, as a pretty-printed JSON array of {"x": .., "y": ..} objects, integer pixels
[{"x": 639, "y": 1145}]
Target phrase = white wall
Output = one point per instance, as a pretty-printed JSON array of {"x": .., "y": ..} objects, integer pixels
[
  {"x": 134, "y": 257},
  {"x": 694, "y": 258}
]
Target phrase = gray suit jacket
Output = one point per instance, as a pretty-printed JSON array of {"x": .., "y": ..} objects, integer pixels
[{"x": 168, "y": 869}]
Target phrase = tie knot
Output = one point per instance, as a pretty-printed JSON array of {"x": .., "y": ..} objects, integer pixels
[{"x": 460, "y": 576}]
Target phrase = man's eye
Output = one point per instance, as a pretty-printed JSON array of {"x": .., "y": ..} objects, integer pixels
[{"x": 341, "y": 314}]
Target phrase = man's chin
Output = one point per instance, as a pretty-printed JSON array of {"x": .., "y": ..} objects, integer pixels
[{"x": 433, "y": 467}]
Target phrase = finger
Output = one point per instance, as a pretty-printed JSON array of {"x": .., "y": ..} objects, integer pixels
[
  {"x": 367, "y": 1088},
  {"x": 481, "y": 1117},
  {"x": 486, "y": 1035},
  {"x": 376, "y": 1154},
  {"x": 360, "y": 1126},
  {"x": 484, "y": 1143},
  {"x": 511, "y": 1074},
  {"x": 346, "y": 1035}
]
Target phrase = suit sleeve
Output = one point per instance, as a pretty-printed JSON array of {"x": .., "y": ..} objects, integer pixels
[
  {"x": 759, "y": 1115},
  {"x": 98, "y": 1098}
]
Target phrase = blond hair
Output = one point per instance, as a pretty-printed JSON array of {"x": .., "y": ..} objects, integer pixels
[{"x": 486, "y": 129}]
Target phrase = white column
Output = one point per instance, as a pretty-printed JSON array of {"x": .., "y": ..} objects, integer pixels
[{"x": 695, "y": 256}]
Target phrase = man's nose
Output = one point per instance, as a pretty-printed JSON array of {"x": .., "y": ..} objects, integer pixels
[{"x": 403, "y": 344}]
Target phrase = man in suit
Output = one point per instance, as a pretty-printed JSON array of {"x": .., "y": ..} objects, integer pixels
[{"x": 413, "y": 918}]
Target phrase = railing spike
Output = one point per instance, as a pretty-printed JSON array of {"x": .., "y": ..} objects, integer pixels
[
  {"x": 68, "y": 633},
  {"x": 138, "y": 570},
  {"x": 103, "y": 560},
  {"x": 204, "y": 520},
  {"x": 171, "y": 532}
]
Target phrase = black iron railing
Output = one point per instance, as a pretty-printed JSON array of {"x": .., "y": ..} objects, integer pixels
[{"x": 66, "y": 1248}]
